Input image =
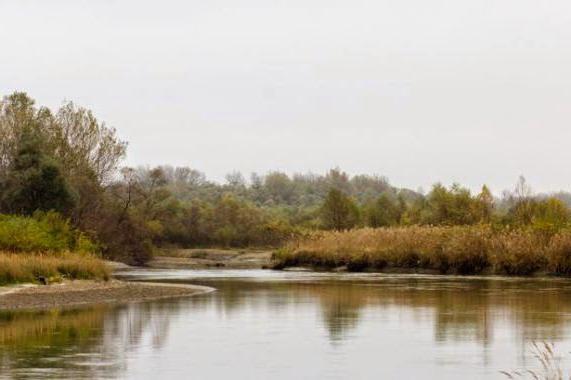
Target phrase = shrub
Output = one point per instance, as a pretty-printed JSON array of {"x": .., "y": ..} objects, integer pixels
[{"x": 43, "y": 232}]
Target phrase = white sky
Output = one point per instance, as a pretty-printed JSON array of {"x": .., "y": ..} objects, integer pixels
[{"x": 420, "y": 91}]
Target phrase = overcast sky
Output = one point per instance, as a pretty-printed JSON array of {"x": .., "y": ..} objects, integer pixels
[{"x": 421, "y": 91}]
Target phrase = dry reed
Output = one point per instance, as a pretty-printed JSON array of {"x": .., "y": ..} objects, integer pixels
[{"x": 457, "y": 249}]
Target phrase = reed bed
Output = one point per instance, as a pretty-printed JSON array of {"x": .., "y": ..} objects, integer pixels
[
  {"x": 454, "y": 250},
  {"x": 28, "y": 268}
]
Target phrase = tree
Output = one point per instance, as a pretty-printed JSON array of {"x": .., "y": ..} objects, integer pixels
[
  {"x": 385, "y": 211},
  {"x": 454, "y": 206},
  {"x": 523, "y": 204},
  {"x": 550, "y": 214},
  {"x": 485, "y": 205},
  {"x": 17, "y": 113},
  {"x": 85, "y": 146},
  {"x": 338, "y": 211},
  {"x": 279, "y": 187},
  {"x": 34, "y": 181},
  {"x": 235, "y": 180}
]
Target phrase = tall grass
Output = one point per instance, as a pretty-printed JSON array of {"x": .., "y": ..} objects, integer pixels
[
  {"x": 459, "y": 250},
  {"x": 25, "y": 268}
]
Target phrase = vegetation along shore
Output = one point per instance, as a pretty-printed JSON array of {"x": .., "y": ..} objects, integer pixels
[{"x": 67, "y": 204}]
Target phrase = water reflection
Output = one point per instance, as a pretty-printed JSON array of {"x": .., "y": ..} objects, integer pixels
[
  {"x": 340, "y": 321},
  {"x": 78, "y": 344},
  {"x": 461, "y": 309}
]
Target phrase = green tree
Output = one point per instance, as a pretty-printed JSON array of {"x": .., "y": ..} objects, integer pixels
[
  {"x": 34, "y": 181},
  {"x": 385, "y": 211},
  {"x": 338, "y": 211},
  {"x": 454, "y": 206}
]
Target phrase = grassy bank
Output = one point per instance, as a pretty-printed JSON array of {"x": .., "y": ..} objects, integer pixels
[
  {"x": 448, "y": 250},
  {"x": 45, "y": 245},
  {"x": 26, "y": 268}
]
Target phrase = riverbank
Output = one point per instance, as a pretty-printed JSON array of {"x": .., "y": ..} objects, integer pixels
[
  {"x": 85, "y": 292},
  {"x": 178, "y": 258}
]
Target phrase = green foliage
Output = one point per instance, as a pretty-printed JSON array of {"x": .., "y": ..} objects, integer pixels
[
  {"x": 454, "y": 206},
  {"x": 228, "y": 221},
  {"x": 33, "y": 181},
  {"x": 550, "y": 215},
  {"x": 385, "y": 211},
  {"x": 180, "y": 207},
  {"x": 547, "y": 215},
  {"x": 43, "y": 232}
]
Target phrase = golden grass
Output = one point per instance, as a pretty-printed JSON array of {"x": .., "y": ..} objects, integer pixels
[
  {"x": 21, "y": 268},
  {"x": 458, "y": 249}
]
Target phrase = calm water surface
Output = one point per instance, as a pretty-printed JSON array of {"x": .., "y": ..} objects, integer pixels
[{"x": 285, "y": 325}]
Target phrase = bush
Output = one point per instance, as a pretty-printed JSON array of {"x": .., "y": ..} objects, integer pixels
[{"x": 44, "y": 232}]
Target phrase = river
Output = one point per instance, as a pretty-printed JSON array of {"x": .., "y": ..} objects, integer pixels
[{"x": 297, "y": 325}]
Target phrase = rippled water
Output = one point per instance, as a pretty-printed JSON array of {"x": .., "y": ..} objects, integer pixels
[{"x": 264, "y": 324}]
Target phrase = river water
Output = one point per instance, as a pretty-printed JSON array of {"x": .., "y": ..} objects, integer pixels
[{"x": 294, "y": 325}]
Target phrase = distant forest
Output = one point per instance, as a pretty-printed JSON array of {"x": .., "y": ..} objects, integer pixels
[{"x": 69, "y": 162}]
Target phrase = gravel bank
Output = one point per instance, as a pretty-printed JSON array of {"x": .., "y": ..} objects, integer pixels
[{"x": 81, "y": 293}]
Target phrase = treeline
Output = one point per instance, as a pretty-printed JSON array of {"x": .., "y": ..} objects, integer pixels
[
  {"x": 448, "y": 206},
  {"x": 183, "y": 208},
  {"x": 180, "y": 206},
  {"x": 68, "y": 162}
]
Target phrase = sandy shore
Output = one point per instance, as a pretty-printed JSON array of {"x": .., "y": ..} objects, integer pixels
[{"x": 81, "y": 293}]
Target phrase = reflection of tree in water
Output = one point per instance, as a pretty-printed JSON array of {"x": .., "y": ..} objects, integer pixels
[
  {"x": 82, "y": 343},
  {"x": 340, "y": 307},
  {"x": 232, "y": 297},
  {"x": 461, "y": 309},
  {"x": 40, "y": 343}
]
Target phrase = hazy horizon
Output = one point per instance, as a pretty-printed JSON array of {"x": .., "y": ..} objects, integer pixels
[{"x": 419, "y": 92}]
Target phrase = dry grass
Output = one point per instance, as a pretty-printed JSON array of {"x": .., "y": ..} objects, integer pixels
[
  {"x": 22, "y": 268},
  {"x": 460, "y": 249},
  {"x": 549, "y": 361}
]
